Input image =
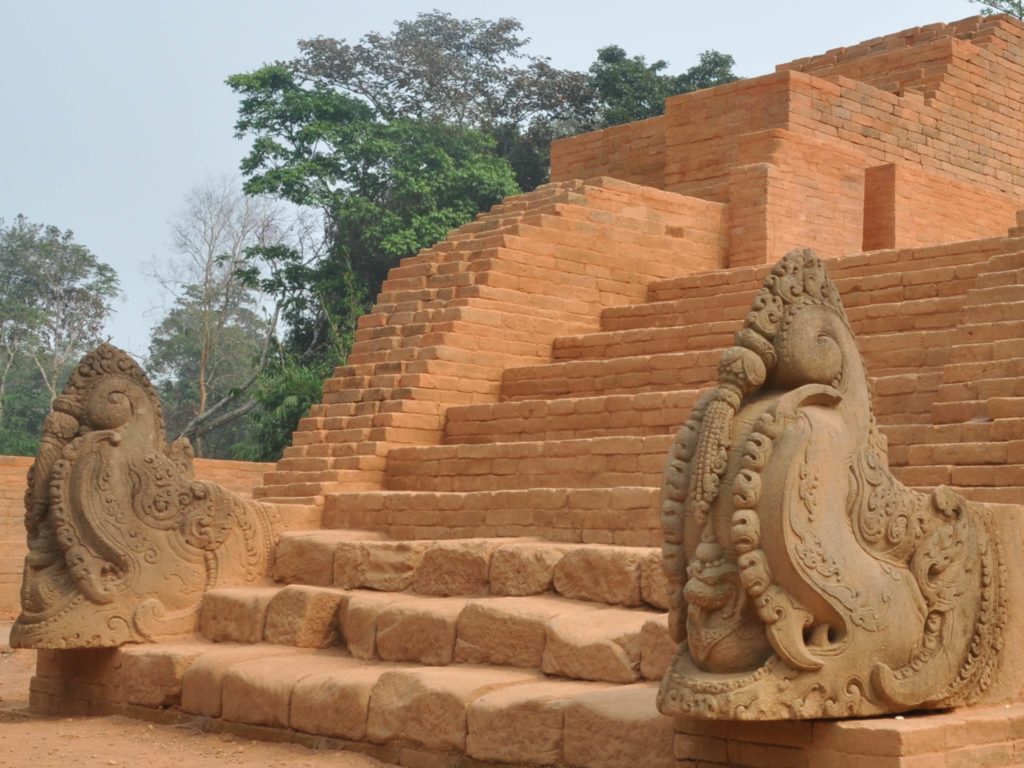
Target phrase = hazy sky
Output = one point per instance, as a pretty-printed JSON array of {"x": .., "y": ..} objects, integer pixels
[{"x": 113, "y": 110}]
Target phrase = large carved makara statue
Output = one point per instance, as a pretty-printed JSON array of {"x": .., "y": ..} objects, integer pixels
[
  {"x": 807, "y": 581},
  {"x": 123, "y": 541}
]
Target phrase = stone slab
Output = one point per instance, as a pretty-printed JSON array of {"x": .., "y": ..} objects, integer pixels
[
  {"x": 596, "y": 645},
  {"x": 428, "y": 705},
  {"x": 522, "y": 723},
  {"x": 618, "y": 728},
  {"x": 524, "y": 569},
  {"x": 259, "y": 691},
  {"x": 303, "y": 616},
  {"x": 235, "y": 615},
  {"x": 202, "y": 682}
]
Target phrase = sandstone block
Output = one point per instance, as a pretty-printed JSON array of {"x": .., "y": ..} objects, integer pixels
[
  {"x": 135, "y": 562},
  {"x": 201, "y": 683},
  {"x": 335, "y": 703},
  {"x": 151, "y": 675},
  {"x": 603, "y": 574},
  {"x": 259, "y": 691},
  {"x": 303, "y": 616},
  {"x": 428, "y": 706},
  {"x": 306, "y": 558},
  {"x": 524, "y": 569},
  {"x": 419, "y": 630},
  {"x": 388, "y": 566},
  {"x": 510, "y": 631},
  {"x": 235, "y": 615},
  {"x": 522, "y": 723},
  {"x": 357, "y": 617},
  {"x": 653, "y": 582},
  {"x": 596, "y": 645},
  {"x": 455, "y": 568},
  {"x": 618, "y": 728},
  {"x": 656, "y": 648}
]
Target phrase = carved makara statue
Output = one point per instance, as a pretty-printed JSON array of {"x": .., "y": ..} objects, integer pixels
[
  {"x": 123, "y": 541},
  {"x": 806, "y": 580}
]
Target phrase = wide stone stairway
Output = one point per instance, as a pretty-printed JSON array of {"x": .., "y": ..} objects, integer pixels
[{"x": 472, "y": 573}]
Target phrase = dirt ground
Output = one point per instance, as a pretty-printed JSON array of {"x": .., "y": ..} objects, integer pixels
[{"x": 31, "y": 741}]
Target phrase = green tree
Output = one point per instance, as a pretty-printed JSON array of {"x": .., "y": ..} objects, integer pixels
[
  {"x": 386, "y": 189},
  {"x": 469, "y": 73},
  {"x": 209, "y": 347},
  {"x": 283, "y": 394},
  {"x": 55, "y": 297},
  {"x": 627, "y": 88},
  {"x": 1013, "y": 8},
  {"x": 395, "y": 140}
]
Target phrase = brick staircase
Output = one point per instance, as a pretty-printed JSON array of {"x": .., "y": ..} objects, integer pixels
[
  {"x": 491, "y": 297},
  {"x": 494, "y": 591}
]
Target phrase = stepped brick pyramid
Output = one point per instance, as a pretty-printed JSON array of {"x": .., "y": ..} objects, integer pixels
[{"x": 471, "y": 574}]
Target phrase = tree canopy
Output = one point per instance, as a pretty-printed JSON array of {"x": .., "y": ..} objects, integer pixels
[
  {"x": 55, "y": 297},
  {"x": 395, "y": 140},
  {"x": 627, "y": 88},
  {"x": 1014, "y": 8}
]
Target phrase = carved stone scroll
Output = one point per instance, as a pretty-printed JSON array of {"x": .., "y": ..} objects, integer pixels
[
  {"x": 806, "y": 580},
  {"x": 123, "y": 540}
]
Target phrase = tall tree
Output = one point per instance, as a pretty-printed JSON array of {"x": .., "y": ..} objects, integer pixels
[
  {"x": 210, "y": 345},
  {"x": 397, "y": 139},
  {"x": 627, "y": 88},
  {"x": 55, "y": 297},
  {"x": 71, "y": 291},
  {"x": 386, "y": 189},
  {"x": 470, "y": 73}
]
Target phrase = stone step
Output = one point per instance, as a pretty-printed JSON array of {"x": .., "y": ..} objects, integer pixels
[
  {"x": 617, "y": 376},
  {"x": 647, "y": 374},
  {"x": 567, "y": 638},
  {"x": 600, "y": 462},
  {"x": 970, "y": 332},
  {"x": 994, "y": 278},
  {"x": 1000, "y": 369},
  {"x": 967, "y": 454},
  {"x": 979, "y": 482},
  {"x": 456, "y": 340},
  {"x": 625, "y": 515},
  {"x": 730, "y": 307},
  {"x": 994, "y": 312},
  {"x": 995, "y": 294},
  {"x": 625, "y": 576},
  {"x": 914, "y": 315},
  {"x": 400, "y": 713},
  {"x": 882, "y": 351},
  {"x": 644, "y": 341},
  {"x": 1000, "y": 430},
  {"x": 934, "y": 265},
  {"x": 878, "y": 317},
  {"x": 905, "y": 397},
  {"x": 647, "y": 413}
]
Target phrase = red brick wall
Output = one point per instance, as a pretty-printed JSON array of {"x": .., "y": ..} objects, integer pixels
[
  {"x": 941, "y": 103},
  {"x": 238, "y": 476},
  {"x": 632, "y": 152}
]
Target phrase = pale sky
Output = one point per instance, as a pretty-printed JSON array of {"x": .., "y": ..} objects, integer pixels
[{"x": 112, "y": 110}]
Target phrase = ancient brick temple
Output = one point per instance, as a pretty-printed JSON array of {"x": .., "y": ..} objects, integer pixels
[{"x": 470, "y": 572}]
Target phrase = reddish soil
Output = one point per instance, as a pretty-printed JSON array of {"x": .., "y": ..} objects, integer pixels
[{"x": 33, "y": 741}]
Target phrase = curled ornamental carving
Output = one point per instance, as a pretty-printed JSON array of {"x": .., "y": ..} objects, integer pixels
[
  {"x": 805, "y": 580},
  {"x": 123, "y": 540}
]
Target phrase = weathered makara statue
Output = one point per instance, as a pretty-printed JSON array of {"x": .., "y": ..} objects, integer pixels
[
  {"x": 807, "y": 581},
  {"x": 123, "y": 541}
]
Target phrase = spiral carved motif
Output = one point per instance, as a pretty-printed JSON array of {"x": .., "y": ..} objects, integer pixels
[
  {"x": 122, "y": 539},
  {"x": 805, "y": 580}
]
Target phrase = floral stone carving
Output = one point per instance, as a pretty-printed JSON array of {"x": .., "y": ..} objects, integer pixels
[
  {"x": 806, "y": 580},
  {"x": 123, "y": 541}
]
